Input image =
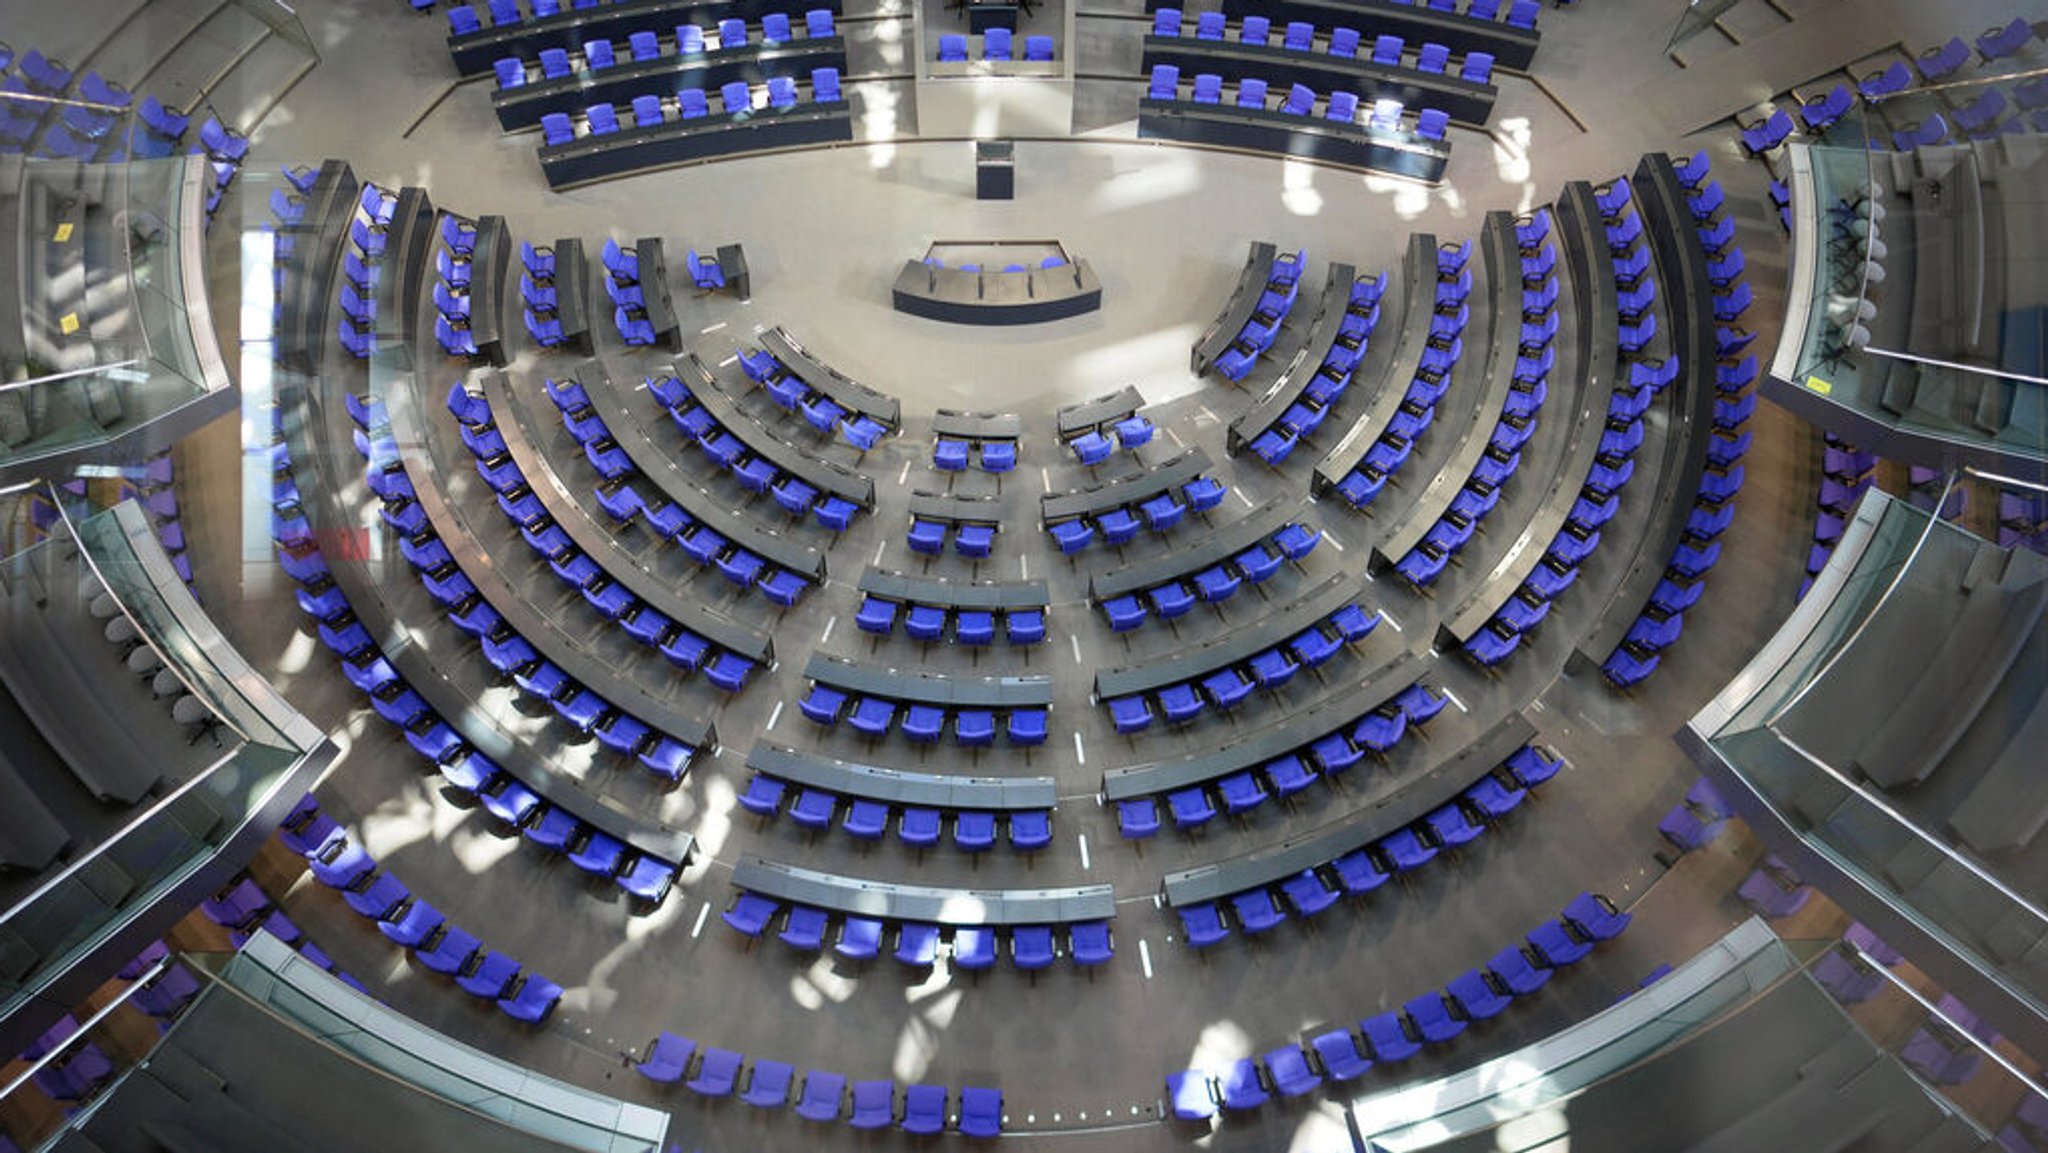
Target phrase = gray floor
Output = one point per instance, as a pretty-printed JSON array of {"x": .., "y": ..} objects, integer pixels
[{"x": 1166, "y": 229}]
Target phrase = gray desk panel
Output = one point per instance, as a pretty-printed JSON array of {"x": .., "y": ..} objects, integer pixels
[
  {"x": 496, "y": 582},
  {"x": 1354, "y": 145},
  {"x": 921, "y": 688},
  {"x": 978, "y": 425},
  {"x": 405, "y": 267},
  {"x": 1598, "y": 352},
  {"x": 309, "y": 268},
  {"x": 1465, "y": 101},
  {"x": 572, "y": 293},
  {"x": 631, "y": 430},
  {"x": 629, "y": 150},
  {"x": 1418, "y": 304},
  {"x": 1322, "y": 333},
  {"x": 1407, "y": 803},
  {"x": 489, "y": 263},
  {"x": 1233, "y": 647},
  {"x": 2007, "y": 808},
  {"x": 1171, "y": 474},
  {"x": 1237, "y": 310},
  {"x": 1503, "y": 259},
  {"x": 988, "y": 296},
  {"x": 1076, "y": 419},
  {"x": 922, "y": 902},
  {"x": 951, "y": 594},
  {"x": 956, "y": 509},
  {"x": 597, "y": 540},
  {"x": 1686, "y": 296},
  {"x": 848, "y": 392},
  {"x": 1214, "y": 547},
  {"x": 769, "y": 443},
  {"x": 661, "y": 307},
  {"x": 321, "y": 475},
  {"x": 1374, "y": 689},
  {"x": 896, "y": 787}
]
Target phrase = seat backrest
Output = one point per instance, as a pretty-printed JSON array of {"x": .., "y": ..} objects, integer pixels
[
  {"x": 1386, "y": 50},
  {"x": 511, "y": 73},
  {"x": 1300, "y": 99},
  {"x": 1165, "y": 82},
  {"x": 952, "y": 47},
  {"x": 603, "y": 118},
  {"x": 598, "y": 54},
  {"x": 1433, "y": 58},
  {"x": 1251, "y": 93},
  {"x": 1166, "y": 22},
  {"x": 1343, "y": 107},
  {"x": 646, "y": 111},
  {"x": 689, "y": 39},
  {"x": 731, "y": 31},
  {"x": 1344, "y": 42},
  {"x": 1038, "y": 48},
  {"x": 1254, "y": 30},
  {"x": 1386, "y": 113},
  {"x": 781, "y": 91},
  {"x": 556, "y": 129},
  {"x": 995, "y": 44},
  {"x": 1301, "y": 36},
  {"x": 825, "y": 84},
  {"x": 692, "y": 103},
  {"x": 775, "y": 28},
  {"x": 1209, "y": 26},
  {"x": 1478, "y": 67},
  {"x": 554, "y": 63},
  {"x": 1208, "y": 87},
  {"x": 646, "y": 45},
  {"x": 736, "y": 97},
  {"x": 818, "y": 23}
]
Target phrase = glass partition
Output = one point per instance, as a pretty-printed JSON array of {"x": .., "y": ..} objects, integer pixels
[{"x": 210, "y": 789}]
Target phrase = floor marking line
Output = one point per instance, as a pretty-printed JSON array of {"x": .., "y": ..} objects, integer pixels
[
  {"x": 1045, "y": 478},
  {"x": 774, "y": 715},
  {"x": 1080, "y": 753},
  {"x": 1454, "y": 700},
  {"x": 1083, "y": 838},
  {"x": 1333, "y": 542},
  {"x": 733, "y": 359},
  {"x": 1241, "y": 496},
  {"x": 904, "y": 475},
  {"x": 827, "y": 634},
  {"x": 879, "y": 546},
  {"x": 1389, "y": 618},
  {"x": 703, "y": 913},
  {"x": 1075, "y": 640},
  {"x": 1024, "y": 568},
  {"x": 1145, "y": 958}
]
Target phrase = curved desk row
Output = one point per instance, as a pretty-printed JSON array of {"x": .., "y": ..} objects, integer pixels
[
  {"x": 515, "y": 590},
  {"x": 1512, "y": 47},
  {"x": 311, "y": 258},
  {"x": 596, "y": 540},
  {"x": 1418, "y": 302},
  {"x": 1407, "y": 802},
  {"x": 1689, "y": 293},
  {"x": 847, "y": 392},
  {"x": 953, "y": 594},
  {"x": 768, "y": 443},
  {"x": 1467, "y": 101},
  {"x": 977, "y": 426},
  {"x": 924, "y": 688},
  {"x": 1338, "y": 711},
  {"x": 1501, "y": 253},
  {"x": 1598, "y": 354},
  {"x": 1234, "y": 647},
  {"x": 896, "y": 787},
  {"x": 1098, "y": 412},
  {"x": 1213, "y": 547},
  {"x": 322, "y": 475},
  {"x": 490, "y": 261},
  {"x": 949, "y": 508},
  {"x": 475, "y": 52},
  {"x": 995, "y": 297},
  {"x": 1166, "y": 477},
  {"x": 1237, "y": 311},
  {"x": 1286, "y": 391},
  {"x": 1279, "y": 133},
  {"x": 405, "y": 267},
  {"x": 923, "y": 903},
  {"x": 716, "y": 136},
  {"x": 752, "y": 64}
]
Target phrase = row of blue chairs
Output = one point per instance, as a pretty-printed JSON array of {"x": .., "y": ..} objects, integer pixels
[
  {"x": 150, "y": 485},
  {"x": 451, "y": 291},
  {"x": 735, "y": 99},
  {"x": 622, "y": 284},
  {"x": 362, "y": 255},
  {"x": 995, "y": 456},
  {"x": 995, "y": 46},
  {"x": 1621, "y": 434},
  {"x": 824, "y": 1097},
  {"x": 1348, "y": 346},
  {"x": 411, "y": 923},
  {"x": 873, "y": 717},
  {"x": 1384, "y": 117},
  {"x": 1213, "y": 585},
  {"x": 793, "y": 393},
  {"x": 1396, "y": 1035},
  {"x": 973, "y": 539},
  {"x": 1092, "y": 446},
  {"x": 76, "y": 1075},
  {"x": 1276, "y": 300},
  {"x": 1119, "y": 525},
  {"x": 540, "y": 300},
  {"x": 920, "y": 827},
  {"x": 756, "y": 474},
  {"x": 1227, "y": 687},
  {"x": 507, "y": 651},
  {"x": 1662, "y": 617},
  {"x": 1846, "y": 473},
  {"x": 972, "y": 627},
  {"x": 75, "y": 131},
  {"x": 644, "y": 45},
  {"x": 625, "y": 503},
  {"x": 972, "y": 947},
  {"x": 1444, "y": 346},
  {"x": 1450, "y": 826},
  {"x": 1376, "y": 732},
  {"x": 1529, "y": 387},
  {"x": 463, "y": 768},
  {"x": 1300, "y": 36}
]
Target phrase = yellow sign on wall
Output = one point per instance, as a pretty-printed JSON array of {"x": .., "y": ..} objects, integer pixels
[
  {"x": 1819, "y": 386},
  {"x": 63, "y": 232},
  {"x": 69, "y": 324}
]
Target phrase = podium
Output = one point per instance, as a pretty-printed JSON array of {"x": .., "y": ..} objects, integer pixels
[{"x": 995, "y": 170}]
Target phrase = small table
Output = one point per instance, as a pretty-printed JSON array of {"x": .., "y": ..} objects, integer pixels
[
  {"x": 732, "y": 265},
  {"x": 983, "y": 15}
]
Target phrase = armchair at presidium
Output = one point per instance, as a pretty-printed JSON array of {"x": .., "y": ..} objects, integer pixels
[{"x": 997, "y": 282}]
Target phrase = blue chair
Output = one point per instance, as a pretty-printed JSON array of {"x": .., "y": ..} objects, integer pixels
[
  {"x": 1209, "y": 25},
  {"x": 1386, "y": 1034},
  {"x": 974, "y": 948},
  {"x": 1337, "y": 1050},
  {"x": 1165, "y": 80},
  {"x": 781, "y": 92},
  {"x": 1031, "y": 947},
  {"x": 1166, "y": 22},
  {"x": 1301, "y": 37},
  {"x": 1386, "y": 50},
  {"x": 719, "y": 1073},
  {"x": 667, "y": 1059},
  {"x": 1204, "y": 926},
  {"x": 1137, "y": 818},
  {"x": 736, "y": 98},
  {"x": 995, "y": 44},
  {"x": 1038, "y": 48},
  {"x": 1254, "y": 30},
  {"x": 825, "y": 86},
  {"x": 1344, "y": 43},
  {"x": 1432, "y": 1018}
]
